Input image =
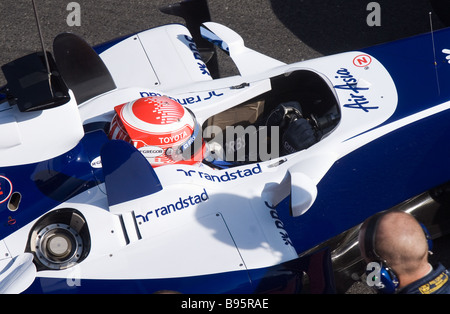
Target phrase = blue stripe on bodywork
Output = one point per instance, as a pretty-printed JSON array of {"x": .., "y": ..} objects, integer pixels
[
  {"x": 128, "y": 174},
  {"x": 282, "y": 278},
  {"x": 233, "y": 282},
  {"x": 105, "y": 46},
  {"x": 397, "y": 166},
  {"x": 375, "y": 177},
  {"x": 410, "y": 62},
  {"x": 46, "y": 184}
]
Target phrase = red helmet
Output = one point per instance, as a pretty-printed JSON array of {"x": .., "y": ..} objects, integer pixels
[{"x": 164, "y": 131}]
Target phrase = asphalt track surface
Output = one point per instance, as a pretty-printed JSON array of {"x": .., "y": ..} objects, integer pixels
[{"x": 287, "y": 30}]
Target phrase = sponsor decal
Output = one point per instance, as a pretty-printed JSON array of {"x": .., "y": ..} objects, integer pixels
[
  {"x": 356, "y": 100},
  {"x": 5, "y": 189},
  {"x": 96, "y": 163},
  {"x": 362, "y": 61},
  {"x": 151, "y": 151},
  {"x": 182, "y": 203},
  {"x": 187, "y": 100},
  {"x": 279, "y": 224},
  {"x": 201, "y": 65},
  {"x": 223, "y": 176},
  {"x": 175, "y": 137}
]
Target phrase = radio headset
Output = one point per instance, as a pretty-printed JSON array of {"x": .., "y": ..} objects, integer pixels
[{"x": 388, "y": 280}]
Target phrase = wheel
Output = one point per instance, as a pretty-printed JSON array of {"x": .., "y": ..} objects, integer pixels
[{"x": 58, "y": 246}]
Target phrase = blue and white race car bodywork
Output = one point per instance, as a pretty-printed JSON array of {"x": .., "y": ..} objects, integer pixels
[{"x": 84, "y": 214}]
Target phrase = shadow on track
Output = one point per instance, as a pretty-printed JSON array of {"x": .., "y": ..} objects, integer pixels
[{"x": 335, "y": 26}]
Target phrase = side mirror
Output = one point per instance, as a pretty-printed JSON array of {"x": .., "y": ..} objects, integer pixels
[
  {"x": 248, "y": 61},
  {"x": 221, "y": 36},
  {"x": 303, "y": 193}
]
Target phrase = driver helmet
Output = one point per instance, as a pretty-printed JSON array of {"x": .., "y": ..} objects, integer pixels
[{"x": 164, "y": 131}]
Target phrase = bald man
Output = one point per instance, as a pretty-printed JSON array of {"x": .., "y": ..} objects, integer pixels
[{"x": 398, "y": 241}]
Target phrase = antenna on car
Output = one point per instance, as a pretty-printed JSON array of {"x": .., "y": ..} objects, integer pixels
[
  {"x": 47, "y": 64},
  {"x": 434, "y": 52}
]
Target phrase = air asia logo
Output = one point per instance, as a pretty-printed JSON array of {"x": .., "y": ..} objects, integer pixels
[
  {"x": 181, "y": 204},
  {"x": 356, "y": 100}
]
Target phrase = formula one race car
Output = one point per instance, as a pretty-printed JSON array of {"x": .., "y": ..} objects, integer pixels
[{"x": 133, "y": 167}]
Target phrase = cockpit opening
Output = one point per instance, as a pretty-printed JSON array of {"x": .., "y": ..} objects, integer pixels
[{"x": 299, "y": 111}]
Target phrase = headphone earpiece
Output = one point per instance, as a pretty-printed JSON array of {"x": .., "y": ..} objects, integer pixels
[{"x": 428, "y": 237}]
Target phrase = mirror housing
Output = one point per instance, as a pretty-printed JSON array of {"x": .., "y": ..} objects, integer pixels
[{"x": 303, "y": 193}]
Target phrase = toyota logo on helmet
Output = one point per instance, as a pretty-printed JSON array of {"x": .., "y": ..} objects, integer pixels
[{"x": 164, "y": 131}]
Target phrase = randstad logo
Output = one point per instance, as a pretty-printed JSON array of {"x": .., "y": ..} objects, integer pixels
[
  {"x": 223, "y": 176},
  {"x": 181, "y": 204}
]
